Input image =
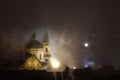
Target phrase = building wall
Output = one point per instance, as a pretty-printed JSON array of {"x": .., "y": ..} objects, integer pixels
[
  {"x": 32, "y": 63},
  {"x": 47, "y": 50},
  {"x": 37, "y": 52}
]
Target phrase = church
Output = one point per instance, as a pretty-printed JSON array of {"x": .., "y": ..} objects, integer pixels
[{"x": 37, "y": 55}]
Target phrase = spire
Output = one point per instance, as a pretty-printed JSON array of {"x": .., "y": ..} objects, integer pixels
[
  {"x": 33, "y": 36},
  {"x": 46, "y": 38}
]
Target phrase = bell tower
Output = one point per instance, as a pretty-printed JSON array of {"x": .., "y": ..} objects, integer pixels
[{"x": 46, "y": 44}]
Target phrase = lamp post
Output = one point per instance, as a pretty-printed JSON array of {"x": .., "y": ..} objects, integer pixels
[{"x": 55, "y": 66}]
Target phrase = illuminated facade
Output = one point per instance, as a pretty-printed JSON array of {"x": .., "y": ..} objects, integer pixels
[{"x": 38, "y": 55}]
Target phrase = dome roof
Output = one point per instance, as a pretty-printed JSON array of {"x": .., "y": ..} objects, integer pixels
[{"x": 34, "y": 43}]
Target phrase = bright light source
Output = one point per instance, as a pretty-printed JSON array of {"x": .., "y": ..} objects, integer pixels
[
  {"x": 55, "y": 63},
  {"x": 86, "y": 44},
  {"x": 86, "y": 65},
  {"x": 74, "y": 67}
]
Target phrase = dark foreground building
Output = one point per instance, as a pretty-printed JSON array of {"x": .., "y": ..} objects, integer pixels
[{"x": 105, "y": 73}]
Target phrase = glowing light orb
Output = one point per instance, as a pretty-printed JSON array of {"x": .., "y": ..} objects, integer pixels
[
  {"x": 86, "y": 44},
  {"x": 74, "y": 67},
  {"x": 86, "y": 66},
  {"x": 55, "y": 63}
]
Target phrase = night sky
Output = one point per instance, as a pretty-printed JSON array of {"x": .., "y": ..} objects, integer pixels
[{"x": 70, "y": 24}]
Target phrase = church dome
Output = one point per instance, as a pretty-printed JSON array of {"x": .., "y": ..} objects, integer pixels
[{"x": 34, "y": 43}]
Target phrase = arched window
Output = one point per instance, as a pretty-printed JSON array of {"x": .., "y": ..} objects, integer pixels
[{"x": 46, "y": 50}]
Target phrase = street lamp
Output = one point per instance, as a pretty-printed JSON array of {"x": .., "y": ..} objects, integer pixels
[{"x": 55, "y": 65}]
